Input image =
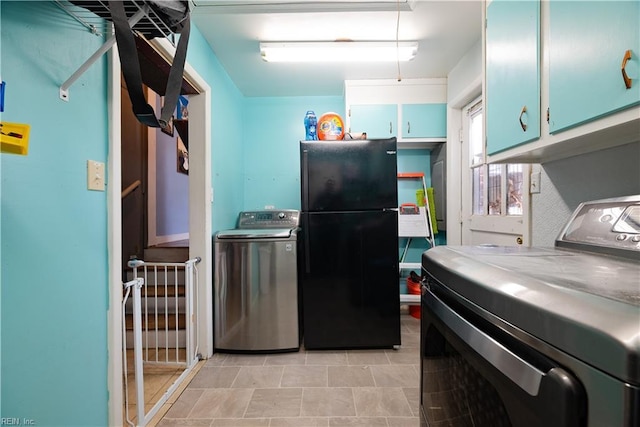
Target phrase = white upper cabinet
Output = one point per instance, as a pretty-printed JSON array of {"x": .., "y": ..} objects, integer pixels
[
  {"x": 584, "y": 71},
  {"x": 412, "y": 110}
]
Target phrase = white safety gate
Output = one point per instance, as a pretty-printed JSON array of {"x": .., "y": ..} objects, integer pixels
[{"x": 159, "y": 322}]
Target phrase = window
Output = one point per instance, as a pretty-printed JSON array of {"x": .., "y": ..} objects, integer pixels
[{"x": 496, "y": 188}]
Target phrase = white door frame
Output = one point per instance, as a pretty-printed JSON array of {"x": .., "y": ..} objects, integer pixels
[
  {"x": 501, "y": 229},
  {"x": 200, "y": 200},
  {"x": 454, "y": 156}
]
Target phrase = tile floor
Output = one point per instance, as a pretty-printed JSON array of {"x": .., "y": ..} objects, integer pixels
[{"x": 365, "y": 388}]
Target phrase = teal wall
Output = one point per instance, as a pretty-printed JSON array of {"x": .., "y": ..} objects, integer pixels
[
  {"x": 273, "y": 128},
  {"x": 54, "y": 263},
  {"x": 54, "y": 277},
  {"x": 227, "y": 130}
]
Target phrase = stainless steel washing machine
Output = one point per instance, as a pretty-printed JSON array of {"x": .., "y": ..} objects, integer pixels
[{"x": 256, "y": 295}]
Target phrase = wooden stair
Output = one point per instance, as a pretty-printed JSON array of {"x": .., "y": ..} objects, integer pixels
[
  {"x": 170, "y": 321},
  {"x": 168, "y": 252}
]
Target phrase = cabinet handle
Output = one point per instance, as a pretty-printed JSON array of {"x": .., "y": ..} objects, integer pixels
[
  {"x": 390, "y": 128},
  {"x": 522, "y": 124},
  {"x": 627, "y": 81},
  {"x": 408, "y": 127}
]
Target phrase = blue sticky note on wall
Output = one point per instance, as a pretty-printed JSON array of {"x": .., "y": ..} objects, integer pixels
[{"x": 2, "y": 85}]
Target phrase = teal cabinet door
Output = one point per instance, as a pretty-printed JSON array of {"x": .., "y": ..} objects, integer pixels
[
  {"x": 424, "y": 121},
  {"x": 512, "y": 102},
  {"x": 588, "y": 41},
  {"x": 378, "y": 121}
]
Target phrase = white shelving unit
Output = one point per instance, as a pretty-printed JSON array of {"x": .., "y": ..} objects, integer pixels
[{"x": 414, "y": 222}]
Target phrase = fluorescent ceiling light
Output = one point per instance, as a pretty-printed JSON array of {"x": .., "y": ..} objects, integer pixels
[
  {"x": 301, "y": 6},
  {"x": 341, "y": 51}
]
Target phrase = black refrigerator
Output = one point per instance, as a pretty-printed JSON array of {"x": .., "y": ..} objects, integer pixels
[{"x": 349, "y": 275}]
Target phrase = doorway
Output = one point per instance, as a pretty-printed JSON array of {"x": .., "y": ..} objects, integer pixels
[
  {"x": 133, "y": 169},
  {"x": 200, "y": 199},
  {"x": 494, "y": 197}
]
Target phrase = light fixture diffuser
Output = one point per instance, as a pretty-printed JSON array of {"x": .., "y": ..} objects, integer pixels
[{"x": 339, "y": 51}]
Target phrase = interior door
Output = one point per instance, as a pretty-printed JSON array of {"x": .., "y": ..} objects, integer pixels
[
  {"x": 495, "y": 197},
  {"x": 134, "y": 169}
]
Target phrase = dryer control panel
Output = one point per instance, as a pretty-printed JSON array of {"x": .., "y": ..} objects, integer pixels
[
  {"x": 611, "y": 223},
  {"x": 283, "y": 218}
]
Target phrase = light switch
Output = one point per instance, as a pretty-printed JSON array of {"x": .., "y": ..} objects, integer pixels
[
  {"x": 95, "y": 175},
  {"x": 534, "y": 185}
]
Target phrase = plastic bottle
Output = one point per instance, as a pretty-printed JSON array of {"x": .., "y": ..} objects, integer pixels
[{"x": 311, "y": 126}]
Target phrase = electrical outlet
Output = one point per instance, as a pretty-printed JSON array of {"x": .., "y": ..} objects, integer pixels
[{"x": 95, "y": 175}]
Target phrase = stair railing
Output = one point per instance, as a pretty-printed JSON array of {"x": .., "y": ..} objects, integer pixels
[
  {"x": 156, "y": 300},
  {"x": 135, "y": 184}
]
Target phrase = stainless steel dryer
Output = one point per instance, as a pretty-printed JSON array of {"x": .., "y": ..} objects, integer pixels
[
  {"x": 522, "y": 336},
  {"x": 256, "y": 296}
]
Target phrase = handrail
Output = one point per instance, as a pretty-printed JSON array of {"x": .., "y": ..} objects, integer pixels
[{"x": 130, "y": 188}]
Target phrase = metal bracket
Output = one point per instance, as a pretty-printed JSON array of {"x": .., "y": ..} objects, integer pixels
[{"x": 64, "y": 88}]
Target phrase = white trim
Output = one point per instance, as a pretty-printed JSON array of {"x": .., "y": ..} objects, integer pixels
[
  {"x": 472, "y": 91},
  {"x": 114, "y": 243},
  {"x": 454, "y": 158}
]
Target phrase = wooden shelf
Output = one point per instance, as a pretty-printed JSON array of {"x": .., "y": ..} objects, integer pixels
[{"x": 410, "y": 174}]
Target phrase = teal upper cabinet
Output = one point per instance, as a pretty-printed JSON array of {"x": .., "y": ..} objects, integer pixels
[
  {"x": 413, "y": 110},
  {"x": 512, "y": 73},
  {"x": 589, "y": 41},
  {"x": 378, "y": 121},
  {"x": 424, "y": 120}
]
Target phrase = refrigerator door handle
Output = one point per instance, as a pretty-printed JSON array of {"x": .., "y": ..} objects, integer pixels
[
  {"x": 307, "y": 250},
  {"x": 305, "y": 180}
]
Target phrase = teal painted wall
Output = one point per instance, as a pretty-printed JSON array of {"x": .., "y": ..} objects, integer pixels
[
  {"x": 227, "y": 130},
  {"x": 54, "y": 316},
  {"x": 54, "y": 275},
  {"x": 273, "y": 128},
  {"x": 54, "y": 231}
]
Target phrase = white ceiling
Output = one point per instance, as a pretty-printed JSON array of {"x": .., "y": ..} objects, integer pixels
[{"x": 445, "y": 30}]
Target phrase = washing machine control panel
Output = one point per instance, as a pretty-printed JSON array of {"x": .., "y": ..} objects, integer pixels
[{"x": 284, "y": 218}]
